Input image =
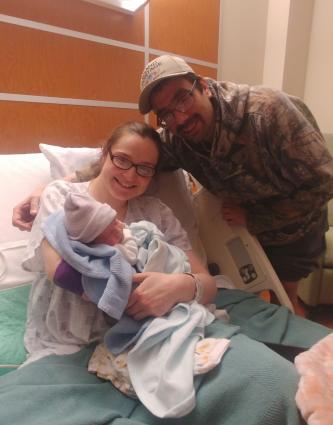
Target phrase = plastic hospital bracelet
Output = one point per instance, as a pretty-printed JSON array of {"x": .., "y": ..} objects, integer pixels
[{"x": 198, "y": 291}]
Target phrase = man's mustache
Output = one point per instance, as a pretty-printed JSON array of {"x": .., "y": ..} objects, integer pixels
[{"x": 188, "y": 122}]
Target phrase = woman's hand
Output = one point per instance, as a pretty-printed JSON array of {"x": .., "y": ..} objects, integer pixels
[
  {"x": 232, "y": 213},
  {"x": 157, "y": 293}
]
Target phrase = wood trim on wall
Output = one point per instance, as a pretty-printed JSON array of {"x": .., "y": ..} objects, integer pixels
[
  {"x": 25, "y": 125},
  {"x": 79, "y": 16},
  {"x": 191, "y": 27},
  {"x": 70, "y": 70},
  {"x": 66, "y": 66}
]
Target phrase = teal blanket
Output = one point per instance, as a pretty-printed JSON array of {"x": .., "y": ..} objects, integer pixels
[
  {"x": 13, "y": 311},
  {"x": 252, "y": 385}
]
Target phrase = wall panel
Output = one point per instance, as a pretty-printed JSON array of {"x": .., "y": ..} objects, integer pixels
[
  {"x": 25, "y": 125},
  {"x": 79, "y": 16},
  {"x": 46, "y": 64},
  {"x": 204, "y": 71},
  {"x": 70, "y": 70},
  {"x": 186, "y": 27}
]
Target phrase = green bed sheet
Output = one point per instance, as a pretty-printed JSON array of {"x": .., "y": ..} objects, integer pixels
[
  {"x": 241, "y": 390},
  {"x": 13, "y": 311}
]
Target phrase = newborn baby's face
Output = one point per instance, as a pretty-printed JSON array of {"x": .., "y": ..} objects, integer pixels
[{"x": 112, "y": 234}]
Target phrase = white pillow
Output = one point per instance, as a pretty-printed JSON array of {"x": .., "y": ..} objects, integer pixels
[
  {"x": 19, "y": 175},
  {"x": 66, "y": 160},
  {"x": 170, "y": 187}
]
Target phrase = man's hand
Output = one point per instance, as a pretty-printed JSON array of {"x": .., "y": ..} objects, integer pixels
[
  {"x": 232, "y": 213},
  {"x": 25, "y": 212}
]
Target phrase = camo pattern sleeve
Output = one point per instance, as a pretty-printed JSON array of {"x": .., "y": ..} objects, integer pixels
[
  {"x": 266, "y": 154},
  {"x": 301, "y": 167}
]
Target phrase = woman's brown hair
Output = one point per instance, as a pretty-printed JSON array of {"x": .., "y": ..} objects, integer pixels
[{"x": 133, "y": 127}]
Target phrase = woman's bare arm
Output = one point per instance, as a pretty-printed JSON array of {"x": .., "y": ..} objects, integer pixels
[
  {"x": 208, "y": 282},
  {"x": 51, "y": 259}
]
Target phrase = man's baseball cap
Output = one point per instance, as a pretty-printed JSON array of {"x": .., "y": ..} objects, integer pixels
[{"x": 157, "y": 70}]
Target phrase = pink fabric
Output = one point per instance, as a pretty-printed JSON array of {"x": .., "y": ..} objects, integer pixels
[{"x": 314, "y": 396}]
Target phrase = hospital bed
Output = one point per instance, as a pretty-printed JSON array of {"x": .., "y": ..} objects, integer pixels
[{"x": 235, "y": 257}]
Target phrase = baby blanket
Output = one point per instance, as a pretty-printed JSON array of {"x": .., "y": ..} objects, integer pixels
[{"x": 106, "y": 275}]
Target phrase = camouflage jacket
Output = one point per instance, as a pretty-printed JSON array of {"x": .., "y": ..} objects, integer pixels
[{"x": 267, "y": 155}]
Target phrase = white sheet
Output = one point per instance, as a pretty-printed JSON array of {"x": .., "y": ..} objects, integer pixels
[{"x": 20, "y": 174}]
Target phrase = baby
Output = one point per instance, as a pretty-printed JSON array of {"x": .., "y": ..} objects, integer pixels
[{"x": 92, "y": 222}]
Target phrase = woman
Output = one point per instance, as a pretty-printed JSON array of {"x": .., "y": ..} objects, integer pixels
[{"x": 60, "y": 322}]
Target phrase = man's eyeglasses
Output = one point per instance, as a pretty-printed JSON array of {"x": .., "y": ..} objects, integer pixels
[
  {"x": 183, "y": 104},
  {"x": 125, "y": 164}
]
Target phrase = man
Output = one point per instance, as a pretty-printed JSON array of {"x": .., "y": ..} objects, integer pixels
[{"x": 258, "y": 149}]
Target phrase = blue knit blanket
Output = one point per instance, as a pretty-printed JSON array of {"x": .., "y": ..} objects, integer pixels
[{"x": 107, "y": 276}]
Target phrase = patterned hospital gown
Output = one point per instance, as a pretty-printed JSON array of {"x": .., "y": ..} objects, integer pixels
[{"x": 60, "y": 322}]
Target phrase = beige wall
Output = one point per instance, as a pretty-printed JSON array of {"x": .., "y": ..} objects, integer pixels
[
  {"x": 276, "y": 42},
  {"x": 285, "y": 44},
  {"x": 297, "y": 48},
  {"x": 242, "y": 40},
  {"x": 319, "y": 76}
]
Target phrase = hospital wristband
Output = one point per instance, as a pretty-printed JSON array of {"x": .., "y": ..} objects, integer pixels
[{"x": 199, "y": 289}]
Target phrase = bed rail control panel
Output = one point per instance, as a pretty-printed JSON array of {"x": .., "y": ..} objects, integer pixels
[{"x": 242, "y": 259}]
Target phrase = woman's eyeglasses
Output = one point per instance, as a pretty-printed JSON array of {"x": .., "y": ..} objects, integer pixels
[
  {"x": 125, "y": 164},
  {"x": 183, "y": 104}
]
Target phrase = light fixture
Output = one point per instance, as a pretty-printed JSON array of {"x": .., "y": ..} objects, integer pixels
[{"x": 128, "y": 6}]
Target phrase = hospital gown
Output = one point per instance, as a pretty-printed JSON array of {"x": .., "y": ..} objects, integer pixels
[{"x": 60, "y": 322}]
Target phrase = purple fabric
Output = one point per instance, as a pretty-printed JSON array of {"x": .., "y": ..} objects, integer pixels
[{"x": 68, "y": 278}]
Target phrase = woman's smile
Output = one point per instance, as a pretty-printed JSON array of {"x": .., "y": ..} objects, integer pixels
[{"x": 123, "y": 184}]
